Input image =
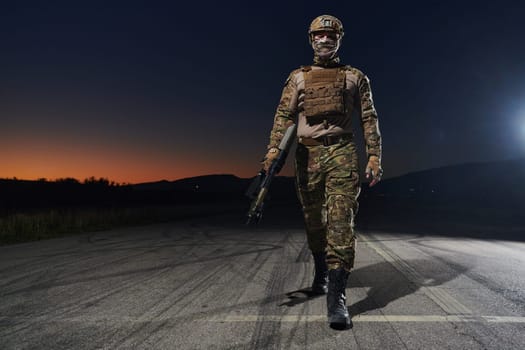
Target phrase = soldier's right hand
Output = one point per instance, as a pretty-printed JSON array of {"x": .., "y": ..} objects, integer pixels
[
  {"x": 269, "y": 158},
  {"x": 373, "y": 169}
]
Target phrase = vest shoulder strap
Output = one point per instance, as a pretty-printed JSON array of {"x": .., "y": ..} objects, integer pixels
[{"x": 306, "y": 68}]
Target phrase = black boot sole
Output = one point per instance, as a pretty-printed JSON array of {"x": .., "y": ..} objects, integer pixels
[{"x": 341, "y": 325}]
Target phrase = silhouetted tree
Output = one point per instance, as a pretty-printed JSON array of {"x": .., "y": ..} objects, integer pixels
[
  {"x": 67, "y": 180},
  {"x": 99, "y": 182}
]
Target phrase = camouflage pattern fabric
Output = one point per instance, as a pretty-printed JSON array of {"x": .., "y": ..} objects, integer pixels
[
  {"x": 368, "y": 117},
  {"x": 327, "y": 177},
  {"x": 284, "y": 116},
  {"x": 327, "y": 180},
  {"x": 290, "y": 108}
]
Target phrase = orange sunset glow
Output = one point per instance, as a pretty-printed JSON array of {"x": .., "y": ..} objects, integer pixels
[
  {"x": 31, "y": 161},
  {"x": 91, "y": 91}
]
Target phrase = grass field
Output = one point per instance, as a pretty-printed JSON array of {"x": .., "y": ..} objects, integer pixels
[{"x": 49, "y": 223}]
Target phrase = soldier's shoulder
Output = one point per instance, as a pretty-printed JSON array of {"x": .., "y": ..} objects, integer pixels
[
  {"x": 355, "y": 71},
  {"x": 301, "y": 69},
  {"x": 295, "y": 75}
]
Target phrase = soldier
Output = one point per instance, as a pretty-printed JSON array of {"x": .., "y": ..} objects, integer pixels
[{"x": 321, "y": 98}]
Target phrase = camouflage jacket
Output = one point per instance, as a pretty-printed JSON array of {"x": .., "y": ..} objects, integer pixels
[{"x": 357, "y": 96}]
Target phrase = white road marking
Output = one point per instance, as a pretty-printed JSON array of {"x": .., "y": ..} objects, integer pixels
[
  {"x": 272, "y": 318},
  {"x": 504, "y": 319},
  {"x": 371, "y": 318}
]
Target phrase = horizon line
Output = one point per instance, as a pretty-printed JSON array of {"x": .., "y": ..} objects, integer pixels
[{"x": 105, "y": 179}]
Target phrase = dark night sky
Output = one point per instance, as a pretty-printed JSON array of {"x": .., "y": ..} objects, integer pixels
[{"x": 143, "y": 91}]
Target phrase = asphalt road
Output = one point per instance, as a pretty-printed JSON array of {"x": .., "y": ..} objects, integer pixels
[{"x": 210, "y": 284}]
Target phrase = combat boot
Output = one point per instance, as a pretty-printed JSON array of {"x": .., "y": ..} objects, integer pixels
[
  {"x": 320, "y": 283},
  {"x": 338, "y": 316}
]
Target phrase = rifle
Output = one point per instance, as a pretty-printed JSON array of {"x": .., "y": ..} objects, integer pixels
[{"x": 261, "y": 184}]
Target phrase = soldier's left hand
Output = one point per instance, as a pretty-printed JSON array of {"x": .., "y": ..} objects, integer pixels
[
  {"x": 269, "y": 158},
  {"x": 373, "y": 168}
]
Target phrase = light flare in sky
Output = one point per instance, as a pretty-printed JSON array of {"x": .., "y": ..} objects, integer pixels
[{"x": 519, "y": 125}]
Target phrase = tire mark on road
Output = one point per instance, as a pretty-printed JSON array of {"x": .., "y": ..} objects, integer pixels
[
  {"x": 449, "y": 304},
  {"x": 78, "y": 258},
  {"x": 74, "y": 305},
  {"x": 93, "y": 267},
  {"x": 444, "y": 300},
  {"x": 167, "y": 306},
  {"x": 267, "y": 334},
  {"x": 513, "y": 296}
]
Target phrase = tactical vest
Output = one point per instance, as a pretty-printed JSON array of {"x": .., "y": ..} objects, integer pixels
[{"x": 324, "y": 92}]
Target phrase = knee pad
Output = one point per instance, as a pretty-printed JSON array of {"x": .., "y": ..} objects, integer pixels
[{"x": 340, "y": 212}]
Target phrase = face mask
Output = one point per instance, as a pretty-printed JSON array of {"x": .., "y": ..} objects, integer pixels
[{"x": 325, "y": 47}]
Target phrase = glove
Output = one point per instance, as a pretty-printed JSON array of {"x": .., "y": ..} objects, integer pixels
[
  {"x": 269, "y": 158},
  {"x": 373, "y": 168}
]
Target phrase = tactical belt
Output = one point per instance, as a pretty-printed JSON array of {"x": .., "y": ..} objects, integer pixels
[{"x": 325, "y": 140}]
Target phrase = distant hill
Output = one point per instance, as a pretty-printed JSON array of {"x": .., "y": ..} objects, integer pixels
[
  {"x": 282, "y": 186},
  {"x": 448, "y": 200},
  {"x": 487, "y": 184},
  {"x": 206, "y": 183},
  {"x": 476, "y": 200},
  {"x": 501, "y": 179}
]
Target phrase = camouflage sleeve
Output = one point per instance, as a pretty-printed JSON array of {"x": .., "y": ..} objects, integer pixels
[
  {"x": 286, "y": 112},
  {"x": 369, "y": 119}
]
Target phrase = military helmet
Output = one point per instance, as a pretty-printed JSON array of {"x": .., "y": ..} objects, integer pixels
[{"x": 325, "y": 23}]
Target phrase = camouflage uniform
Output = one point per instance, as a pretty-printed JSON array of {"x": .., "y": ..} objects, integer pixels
[{"x": 327, "y": 172}]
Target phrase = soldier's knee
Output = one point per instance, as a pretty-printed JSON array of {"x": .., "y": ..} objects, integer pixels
[
  {"x": 311, "y": 199},
  {"x": 340, "y": 210},
  {"x": 316, "y": 240},
  {"x": 313, "y": 216}
]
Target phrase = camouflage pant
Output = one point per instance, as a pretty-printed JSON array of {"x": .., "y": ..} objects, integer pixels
[{"x": 327, "y": 180}]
